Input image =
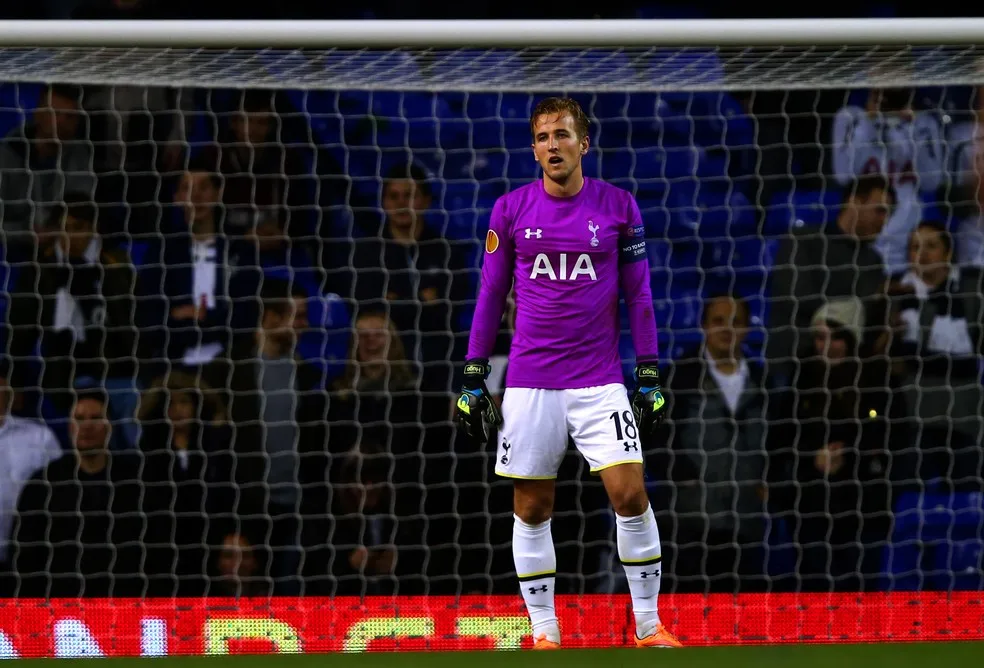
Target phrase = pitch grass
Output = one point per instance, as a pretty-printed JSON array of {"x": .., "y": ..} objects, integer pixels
[{"x": 901, "y": 655}]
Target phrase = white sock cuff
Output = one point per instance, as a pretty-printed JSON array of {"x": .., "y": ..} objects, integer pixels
[
  {"x": 637, "y": 522},
  {"x": 530, "y": 529}
]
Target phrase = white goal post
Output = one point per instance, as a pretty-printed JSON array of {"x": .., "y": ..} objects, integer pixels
[{"x": 734, "y": 136}]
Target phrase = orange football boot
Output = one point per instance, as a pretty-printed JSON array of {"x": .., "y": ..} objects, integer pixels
[
  {"x": 660, "y": 638},
  {"x": 541, "y": 642}
]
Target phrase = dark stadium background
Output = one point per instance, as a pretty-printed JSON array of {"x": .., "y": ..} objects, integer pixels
[{"x": 479, "y": 9}]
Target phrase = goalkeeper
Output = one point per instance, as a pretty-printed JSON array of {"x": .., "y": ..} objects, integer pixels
[{"x": 569, "y": 243}]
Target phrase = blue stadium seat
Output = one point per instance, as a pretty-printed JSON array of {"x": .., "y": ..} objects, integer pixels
[
  {"x": 522, "y": 165},
  {"x": 654, "y": 123},
  {"x": 800, "y": 207},
  {"x": 719, "y": 120},
  {"x": 17, "y": 101},
  {"x": 937, "y": 542},
  {"x": 468, "y": 206},
  {"x": 609, "y": 114}
]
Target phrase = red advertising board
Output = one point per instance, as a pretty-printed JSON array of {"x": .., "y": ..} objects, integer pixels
[{"x": 155, "y": 627}]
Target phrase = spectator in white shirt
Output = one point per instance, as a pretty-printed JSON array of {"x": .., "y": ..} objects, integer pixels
[
  {"x": 965, "y": 144},
  {"x": 889, "y": 137},
  {"x": 940, "y": 344},
  {"x": 716, "y": 458},
  {"x": 26, "y": 446}
]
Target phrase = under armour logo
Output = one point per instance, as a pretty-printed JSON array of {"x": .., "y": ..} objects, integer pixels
[
  {"x": 542, "y": 589},
  {"x": 534, "y": 233},
  {"x": 593, "y": 229},
  {"x": 645, "y": 575},
  {"x": 630, "y": 445},
  {"x": 505, "y": 453}
]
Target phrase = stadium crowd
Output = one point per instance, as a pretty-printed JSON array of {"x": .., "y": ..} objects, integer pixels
[{"x": 231, "y": 358}]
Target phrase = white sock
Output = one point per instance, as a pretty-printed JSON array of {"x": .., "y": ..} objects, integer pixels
[
  {"x": 536, "y": 568},
  {"x": 639, "y": 552}
]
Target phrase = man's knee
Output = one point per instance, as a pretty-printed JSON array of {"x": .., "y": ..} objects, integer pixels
[
  {"x": 630, "y": 501},
  {"x": 626, "y": 490},
  {"x": 533, "y": 500}
]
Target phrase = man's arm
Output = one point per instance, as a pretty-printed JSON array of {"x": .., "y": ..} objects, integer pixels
[
  {"x": 855, "y": 143},
  {"x": 781, "y": 338},
  {"x": 497, "y": 278},
  {"x": 930, "y": 154},
  {"x": 30, "y": 549},
  {"x": 24, "y": 322},
  {"x": 634, "y": 279}
]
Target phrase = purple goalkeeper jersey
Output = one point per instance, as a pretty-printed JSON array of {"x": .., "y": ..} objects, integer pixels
[{"x": 567, "y": 257}]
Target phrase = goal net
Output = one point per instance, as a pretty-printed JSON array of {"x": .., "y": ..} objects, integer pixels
[{"x": 238, "y": 285}]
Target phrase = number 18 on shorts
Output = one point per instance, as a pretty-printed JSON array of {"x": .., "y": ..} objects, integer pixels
[{"x": 537, "y": 423}]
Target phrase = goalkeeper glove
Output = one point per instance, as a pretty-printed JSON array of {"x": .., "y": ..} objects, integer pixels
[
  {"x": 476, "y": 412},
  {"x": 648, "y": 404}
]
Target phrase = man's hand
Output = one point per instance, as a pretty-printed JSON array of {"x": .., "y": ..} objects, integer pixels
[
  {"x": 648, "y": 404},
  {"x": 476, "y": 412},
  {"x": 190, "y": 312},
  {"x": 830, "y": 458}
]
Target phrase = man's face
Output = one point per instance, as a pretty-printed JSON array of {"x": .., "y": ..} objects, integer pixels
[
  {"x": 269, "y": 231},
  {"x": 78, "y": 235},
  {"x": 197, "y": 194},
  {"x": 57, "y": 117},
  {"x": 725, "y": 328},
  {"x": 870, "y": 213},
  {"x": 287, "y": 327},
  {"x": 373, "y": 338},
  {"x": 827, "y": 345},
  {"x": 89, "y": 427},
  {"x": 557, "y": 147},
  {"x": 252, "y": 128},
  {"x": 236, "y": 558},
  {"x": 927, "y": 251},
  {"x": 180, "y": 409},
  {"x": 404, "y": 203}
]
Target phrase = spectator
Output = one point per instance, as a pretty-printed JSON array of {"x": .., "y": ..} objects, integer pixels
[
  {"x": 890, "y": 138},
  {"x": 281, "y": 258},
  {"x": 966, "y": 145},
  {"x": 838, "y": 260},
  {"x": 43, "y": 160},
  {"x": 239, "y": 565},
  {"x": 75, "y": 306},
  {"x": 140, "y": 135},
  {"x": 942, "y": 314},
  {"x": 378, "y": 394},
  {"x": 847, "y": 411},
  {"x": 279, "y": 404},
  {"x": 716, "y": 457},
  {"x": 379, "y": 389},
  {"x": 267, "y": 164},
  {"x": 372, "y": 546},
  {"x": 187, "y": 482},
  {"x": 25, "y": 447},
  {"x": 79, "y": 525},
  {"x": 409, "y": 268},
  {"x": 206, "y": 289}
]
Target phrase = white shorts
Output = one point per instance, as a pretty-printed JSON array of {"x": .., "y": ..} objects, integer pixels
[{"x": 536, "y": 425}]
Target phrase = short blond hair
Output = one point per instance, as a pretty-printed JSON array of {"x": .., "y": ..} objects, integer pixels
[{"x": 561, "y": 105}]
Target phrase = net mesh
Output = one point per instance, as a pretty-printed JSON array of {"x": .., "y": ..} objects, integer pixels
[
  {"x": 625, "y": 69},
  {"x": 280, "y": 369}
]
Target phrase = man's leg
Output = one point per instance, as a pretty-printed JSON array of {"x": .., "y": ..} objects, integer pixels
[
  {"x": 534, "y": 555},
  {"x": 531, "y": 446},
  {"x": 605, "y": 433},
  {"x": 638, "y": 542}
]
